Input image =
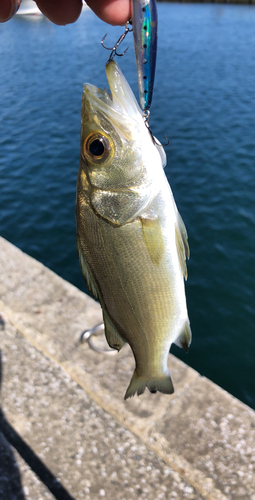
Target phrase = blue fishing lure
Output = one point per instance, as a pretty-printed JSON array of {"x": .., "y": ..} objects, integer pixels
[{"x": 145, "y": 31}]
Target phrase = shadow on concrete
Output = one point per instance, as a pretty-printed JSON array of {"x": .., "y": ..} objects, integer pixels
[{"x": 10, "y": 479}]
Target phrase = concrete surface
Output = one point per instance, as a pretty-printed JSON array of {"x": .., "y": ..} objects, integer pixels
[{"x": 66, "y": 431}]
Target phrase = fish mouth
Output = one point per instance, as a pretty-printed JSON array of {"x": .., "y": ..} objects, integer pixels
[{"x": 119, "y": 105}]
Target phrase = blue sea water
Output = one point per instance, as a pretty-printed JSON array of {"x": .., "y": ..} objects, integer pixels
[{"x": 204, "y": 101}]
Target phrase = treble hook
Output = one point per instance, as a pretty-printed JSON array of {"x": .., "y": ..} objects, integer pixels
[{"x": 114, "y": 48}]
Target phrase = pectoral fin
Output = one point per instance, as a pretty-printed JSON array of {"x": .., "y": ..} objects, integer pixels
[
  {"x": 152, "y": 235},
  {"x": 184, "y": 339},
  {"x": 112, "y": 335},
  {"x": 88, "y": 276}
]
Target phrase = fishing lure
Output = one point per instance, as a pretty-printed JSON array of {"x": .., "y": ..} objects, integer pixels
[{"x": 145, "y": 31}]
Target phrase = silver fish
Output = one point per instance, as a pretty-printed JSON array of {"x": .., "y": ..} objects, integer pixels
[{"x": 131, "y": 240}]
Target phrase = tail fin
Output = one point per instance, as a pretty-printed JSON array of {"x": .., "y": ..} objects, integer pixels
[{"x": 138, "y": 385}]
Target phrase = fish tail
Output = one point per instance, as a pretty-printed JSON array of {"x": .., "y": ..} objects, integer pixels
[{"x": 138, "y": 385}]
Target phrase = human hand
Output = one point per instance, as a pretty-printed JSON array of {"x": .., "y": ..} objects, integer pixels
[{"x": 67, "y": 11}]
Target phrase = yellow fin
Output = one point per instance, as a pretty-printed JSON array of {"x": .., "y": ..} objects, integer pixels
[
  {"x": 181, "y": 251},
  {"x": 184, "y": 339},
  {"x": 112, "y": 335},
  {"x": 138, "y": 385},
  {"x": 90, "y": 281},
  {"x": 152, "y": 235}
]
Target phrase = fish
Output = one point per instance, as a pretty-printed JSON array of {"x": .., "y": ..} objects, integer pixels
[
  {"x": 145, "y": 31},
  {"x": 132, "y": 243}
]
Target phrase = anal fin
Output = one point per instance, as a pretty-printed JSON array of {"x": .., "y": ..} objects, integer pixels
[
  {"x": 184, "y": 339},
  {"x": 112, "y": 335}
]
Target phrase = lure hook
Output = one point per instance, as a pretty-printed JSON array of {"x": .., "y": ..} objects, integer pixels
[{"x": 114, "y": 48}]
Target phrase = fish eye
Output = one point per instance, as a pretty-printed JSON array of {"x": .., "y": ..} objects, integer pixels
[{"x": 97, "y": 148}]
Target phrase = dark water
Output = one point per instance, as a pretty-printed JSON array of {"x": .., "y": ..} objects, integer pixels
[{"x": 204, "y": 101}]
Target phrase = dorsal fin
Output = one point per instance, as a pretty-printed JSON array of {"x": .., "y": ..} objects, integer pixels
[
  {"x": 181, "y": 240},
  {"x": 184, "y": 234}
]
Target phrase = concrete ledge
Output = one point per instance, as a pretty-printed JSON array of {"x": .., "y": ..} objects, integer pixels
[{"x": 198, "y": 443}]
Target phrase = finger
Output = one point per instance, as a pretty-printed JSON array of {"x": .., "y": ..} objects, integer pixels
[
  {"x": 111, "y": 11},
  {"x": 60, "y": 11},
  {"x": 7, "y": 9}
]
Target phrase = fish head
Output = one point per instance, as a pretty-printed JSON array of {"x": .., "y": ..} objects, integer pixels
[{"x": 116, "y": 147}]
